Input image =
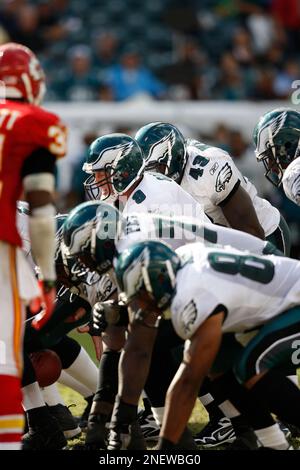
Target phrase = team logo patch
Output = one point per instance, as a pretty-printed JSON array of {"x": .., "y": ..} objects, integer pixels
[
  {"x": 189, "y": 316},
  {"x": 223, "y": 177},
  {"x": 105, "y": 287}
]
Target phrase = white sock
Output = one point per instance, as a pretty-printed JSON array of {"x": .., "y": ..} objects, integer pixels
[
  {"x": 52, "y": 396},
  {"x": 68, "y": 381},
  {"x": 273, "y": 437},
  {"x": 294, "y": 379},
  {"x": 206, "y": 399},
  {"x": 84, "y": 370},
  {"x": 158, "y": 414},
  {"x": 10, "y": 446},
  {"x": 32, "y": 397}
]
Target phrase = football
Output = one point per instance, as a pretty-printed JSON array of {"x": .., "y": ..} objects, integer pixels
[{"x": 47, "y": 366}]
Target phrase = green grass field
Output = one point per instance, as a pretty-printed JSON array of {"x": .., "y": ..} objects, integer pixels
[{"x": 198, "y": 419}]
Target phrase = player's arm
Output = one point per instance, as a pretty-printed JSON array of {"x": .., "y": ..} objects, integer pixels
[
  {"x": 182, "y": 393},
  {"x": 38, "y": 183},
  {"x": 240, "y": 213}
]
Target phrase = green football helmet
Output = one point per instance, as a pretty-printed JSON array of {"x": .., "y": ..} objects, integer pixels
[
  {"x": 121, "y": 159},
  {"x": 69, "y": 271},
  {"x": 276, "y": 139},
  {"x": 147, "y": 266},
  {"x": 164, "y": 148},
  {"x": 89, "y": 235}
]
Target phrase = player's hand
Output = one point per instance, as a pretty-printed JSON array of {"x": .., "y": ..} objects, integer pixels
[
  {"x": 48, "y": 294},
  {"x": 96, "y": 338},
  {"x": 104, "y": 314},
  {"x": 99, "y": 318}
]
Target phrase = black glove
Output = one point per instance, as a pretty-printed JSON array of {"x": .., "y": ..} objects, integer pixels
[
  {"x": 104, "y": 314},
  {"x": 94, "y": 331}
]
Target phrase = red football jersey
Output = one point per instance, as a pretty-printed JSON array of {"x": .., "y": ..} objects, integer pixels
[{"x": 24, "y": 128}]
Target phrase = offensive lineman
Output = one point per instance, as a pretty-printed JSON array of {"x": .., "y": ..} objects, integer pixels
[
  {"x": 212, "y": 178},
  {"x": 100, "y": 223},
  {"x": 207, "y": 292},
  {"x": 276, "y": 139}
]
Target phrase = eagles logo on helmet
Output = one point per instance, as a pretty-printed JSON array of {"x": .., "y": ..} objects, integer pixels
[
  {"x": 115, "y": 162},
  {"x": 276, "y": 138},
  {"x": 164, "y": 148}
]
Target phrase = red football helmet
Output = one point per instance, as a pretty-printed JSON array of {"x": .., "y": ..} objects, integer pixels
[{"x": 21, "y": 73}]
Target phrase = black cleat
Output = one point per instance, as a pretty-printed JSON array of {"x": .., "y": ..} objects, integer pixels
[
  {"x": 66, "y": 420},
  {"x": 187, "y": 442},
  {"x": 83, "y": 420},
  {"x": 289, "y": 430},
  {"x": 245, "y": 441},
  {"x": 137, "y": 440},
  {"x": 97, "y": 432},
  {"x": 47, "y": 437},
  {"x": 148, "y": 425},
  {"x": 216, "y": 433}
]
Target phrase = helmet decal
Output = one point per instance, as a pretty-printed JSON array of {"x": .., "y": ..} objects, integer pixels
[
  {"x": 108, "y": 156},
  {"x": 137, "y": 274},
  {"x": 278, "y": 123},
  {"x": 89, "y": 234},
  {"x": 121, "y": 162},
  {"x": 80, "y": 238},
  {"x": 268, "y": 132},
  {"x": 162, "y": 148}
]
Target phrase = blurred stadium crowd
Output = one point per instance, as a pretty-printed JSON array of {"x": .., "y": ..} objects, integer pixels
[
  {"x": 165, "y": 49},
  {"x": 117, "y": 50}
]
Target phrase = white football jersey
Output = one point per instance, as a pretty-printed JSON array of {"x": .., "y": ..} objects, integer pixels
[
  {"x": 94, "y": 292},
  {"x": 211, "y": 176},
  {"x": 251, "y": 289},
  {"x": 160, "y": 195},
  {"x": 178, "y": 231},
  {"x": 96, "y": 289},
  {"x": 291, "y": 181}
]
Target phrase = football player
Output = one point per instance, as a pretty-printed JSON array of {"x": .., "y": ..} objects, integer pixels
[
  {"x": 30, "y": 141},
  {"x": 96, "y": 232},
  {"x": 212, "y": 178},
  {"x": 71, "y": 310},
  {"x": 116, "y": 164},
  {"x": 230, "y": 199},
  {"x": 117, "y": 167},
  {"x": 276, "y": 139},
  {"x": 207, "y": 292}
]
